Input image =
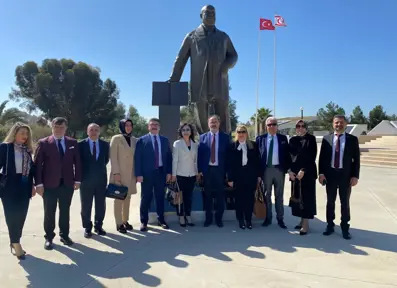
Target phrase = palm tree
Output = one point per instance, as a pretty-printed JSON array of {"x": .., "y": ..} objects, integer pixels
[
  {"x": 11, "y": 115},
  {"x": 263, "y": 113}
]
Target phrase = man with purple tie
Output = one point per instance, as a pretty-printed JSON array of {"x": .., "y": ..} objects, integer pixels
[{"x": 153, "y": 168}]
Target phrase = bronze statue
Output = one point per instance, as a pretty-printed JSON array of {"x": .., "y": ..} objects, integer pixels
[{"x": 212, "y": 54}]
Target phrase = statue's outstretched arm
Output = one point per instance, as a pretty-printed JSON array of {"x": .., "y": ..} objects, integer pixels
[{"x": 181, "y": 60}]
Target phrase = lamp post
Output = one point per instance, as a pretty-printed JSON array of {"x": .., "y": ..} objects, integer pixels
[{"x": 302, "y": 113}]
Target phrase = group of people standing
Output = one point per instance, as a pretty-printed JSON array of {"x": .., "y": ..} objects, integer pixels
[{"x": 61, "y": 165}]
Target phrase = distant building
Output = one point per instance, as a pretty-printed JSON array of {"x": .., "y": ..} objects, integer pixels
[{"x": 384, "y": 128}]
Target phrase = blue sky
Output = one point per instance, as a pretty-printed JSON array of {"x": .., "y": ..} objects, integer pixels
[{"x": 344, "y": 51}]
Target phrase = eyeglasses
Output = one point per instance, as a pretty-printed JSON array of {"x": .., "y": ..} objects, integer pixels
[
  {"x": 300, "y": 126},
  {"x": 241, "y": 132},
  {"x": 271, "y": 124}
]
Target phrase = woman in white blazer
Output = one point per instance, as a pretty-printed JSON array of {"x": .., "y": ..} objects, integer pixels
[{"x": 184, "y": 170}]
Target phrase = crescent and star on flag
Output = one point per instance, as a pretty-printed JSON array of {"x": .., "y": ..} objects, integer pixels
[{"x": 266, "y": 24}]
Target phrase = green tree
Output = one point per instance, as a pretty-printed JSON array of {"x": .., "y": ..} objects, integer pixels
[
  {"x": 66, "y": 88},
  {"x": 263, "y": 113},
  {"x": 393, "y": 117},
  {"x": 325, "y": 116},
  {"x": 11, "y": 115},
  {"x": 232, "y": 114},
  {"x": 113, "y": 128},
  {"x": 140, "y": 123},
  {"x": 357, "y": 116},
  {"x": 376, "y": 115}
]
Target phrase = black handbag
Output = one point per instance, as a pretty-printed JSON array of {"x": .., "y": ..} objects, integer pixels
[
  {"x": 296, "y": 203},
  {"x": 116, "y": 191},
  {"x": 3, "y": 177}
]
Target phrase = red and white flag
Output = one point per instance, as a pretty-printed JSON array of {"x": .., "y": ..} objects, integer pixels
[
  {"x": 266, "y": 24},
  {"x": 279, "y": 21}
]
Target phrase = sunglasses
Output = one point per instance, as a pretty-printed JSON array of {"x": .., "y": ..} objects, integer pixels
[
  {"x": 300, "y": 126},
  {"x": 241, "y": 132},
  {"x": 271, "y": 124}
]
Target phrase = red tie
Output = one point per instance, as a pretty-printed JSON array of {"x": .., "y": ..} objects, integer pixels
[
  {"x": 213, "y": 149},
  {"x": 337, "y": 152}
]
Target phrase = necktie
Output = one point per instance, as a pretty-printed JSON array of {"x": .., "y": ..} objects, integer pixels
[
  {"x": 270, "y": 155},
  {"x": 60, "y": 148},
  {"x": 213, "y": 149},
  {"x": 337, "y": 152},
  {"x": 94, "y": 150},
  {"x": 156, "y": 153}
]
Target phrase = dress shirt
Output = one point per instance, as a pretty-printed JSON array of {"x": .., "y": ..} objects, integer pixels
[
  {"x": 216, "y": 148},
  {"x": 159, "y": 143},
  {"x": 243, "y": 147},
  {"x": 91, "y": 142},
  {"x": 342, "y": 138},
  {"x": 275, "y": 160}
]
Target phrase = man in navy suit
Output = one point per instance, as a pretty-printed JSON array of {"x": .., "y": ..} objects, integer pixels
[
  {"x": 276, "y": 162},
  {"x": 153, "y": 168},
  {"x": 212, "y": 165}
]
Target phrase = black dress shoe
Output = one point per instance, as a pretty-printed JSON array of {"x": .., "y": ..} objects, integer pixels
[
  {"x": 128, "y": 226},
  {"x": 87, "y": 234},
  {"x": 100, "y": 231},
  {"x": 302, "y": 233},
  {"x": 249, "y": 225},
  {"x": 266, "y": 223},
  {"x": 67, "y": 241},
  {"x": 163, "y": 225},
  {"x": 48, "y": 245},
  {"x": 189, "y": 223},
  {"x": 298, "y": 227},
  {"x": 219, "y": 224},
  {"x": 282, "y": 224},
  {"x": 143, "y": 228},
  {"x": 242, "y": 225},
  {"x": 346, "y": 235},
  {"x": 328, "y": 231},
  {"x": 207, "y": 223},
  {"x": 121, "y": 229}
]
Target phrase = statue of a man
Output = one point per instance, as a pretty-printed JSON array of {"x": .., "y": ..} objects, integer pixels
[{"x": 212, "y": 54}]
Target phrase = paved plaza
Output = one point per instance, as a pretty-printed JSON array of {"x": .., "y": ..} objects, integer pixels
[{"x": 214, "y": 257}]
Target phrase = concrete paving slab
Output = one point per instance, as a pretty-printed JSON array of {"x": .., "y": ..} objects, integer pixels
[{"x": 214, "y": 257}]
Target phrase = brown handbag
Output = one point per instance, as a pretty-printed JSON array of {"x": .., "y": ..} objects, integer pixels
[{"x": 260, "y": 208}]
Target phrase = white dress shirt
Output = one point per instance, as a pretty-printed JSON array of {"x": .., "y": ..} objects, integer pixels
[
  {"x": 275, "y": 160},
  {"x": 243, "y": 147},
  {"x": 184, "y": 161},
  {"x": 216, "y": 148},
  {"x": 342, "y": 138},
  {"x": 159, "y": 143},
  {"x": 91, "y": 142}
]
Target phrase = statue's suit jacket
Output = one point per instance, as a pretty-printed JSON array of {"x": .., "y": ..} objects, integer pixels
[{"x": 197, "y": 45}]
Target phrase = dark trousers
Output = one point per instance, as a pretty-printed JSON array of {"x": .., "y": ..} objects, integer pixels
[
  {"x": 186, "y": 185},
  {"x": 88, "y": 193},
  {"x": 51, "y": 197},
  {"x": 214, "y": 188},
  {"x": 245, "y": 196},
  {"x": 153, "y": 185},
  {"x": 15, "y": 206},
  {"x": 338, "y": 180}
]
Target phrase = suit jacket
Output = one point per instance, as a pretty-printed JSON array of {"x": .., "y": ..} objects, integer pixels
[
  {"x": 51, "y": 167},
  {"x": 284, "y": 156},
  {"x": 351, "y": 156},
  {"x": 7, "y": 165},
  {"x": 94, "y": 171},
  {"x": 199, "y": 47},
  {"x": 122, "y": 161},
  {"x": 204, "y": 151},
  {"x": 144, "y": 156},
  {"x": 184, "y": 161},
  {"x": 253, "y": 167}
]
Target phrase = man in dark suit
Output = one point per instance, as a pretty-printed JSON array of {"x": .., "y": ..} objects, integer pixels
[
  {"x": 153, "y": 168},
  {"x": 58, "y": 173},
  {"x": 94, "y": 154},
  {"x": 276, "y": 162},
  {"x": 339, "y": 169},
  {"x": 212, "y": 165}
]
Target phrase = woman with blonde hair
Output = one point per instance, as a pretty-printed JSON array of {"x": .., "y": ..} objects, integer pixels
[
  {"x": 244, "y": 175},
  {"x": 16, "y": 182}
]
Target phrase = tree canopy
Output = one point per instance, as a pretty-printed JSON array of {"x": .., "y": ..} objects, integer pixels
[
  {"x": 357, "y": 116},
  {"x": 376, "y": 115},
  {"x": 325, "y": 116}
]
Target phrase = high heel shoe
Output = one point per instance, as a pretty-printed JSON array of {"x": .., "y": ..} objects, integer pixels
[
  {"x": 17, "y": 251},
  {"x": 182, "y": 222},
  {"x": 188, "y": 221}
]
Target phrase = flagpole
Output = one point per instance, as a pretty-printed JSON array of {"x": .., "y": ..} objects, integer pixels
[
  {"x": 257, "y": 84},
  {"x": 275, "y": 72}
]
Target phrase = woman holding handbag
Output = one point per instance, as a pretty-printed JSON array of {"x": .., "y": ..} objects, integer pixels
[
  {"x": 122, "y": 150},
  {"x": 184, "y": 171},
  {"x": 303, "y": 149},
  {"x": 16, "y": 182},
  {"x": 244, "y": 175}
]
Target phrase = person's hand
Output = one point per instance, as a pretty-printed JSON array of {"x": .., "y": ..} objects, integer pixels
[
  {"x": 76, "y": 186},
  {"x": 33, "y": 191},
  {"x": 117, "y": 178},
  {"x": 173, "y": 178},
  {"x": 321, "y": 179},
  {"x": 230, "y": 183},
  {"x": 40, "y": 190},
  {"x": 300, "y": 175},
  {"x": 168, "y": 178},
  {"x": 353, "y": 181},
  {"x": 139, "y": 179},
  {"x": 292, "y": 175},
  {"x": 198, "y": 177}
]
